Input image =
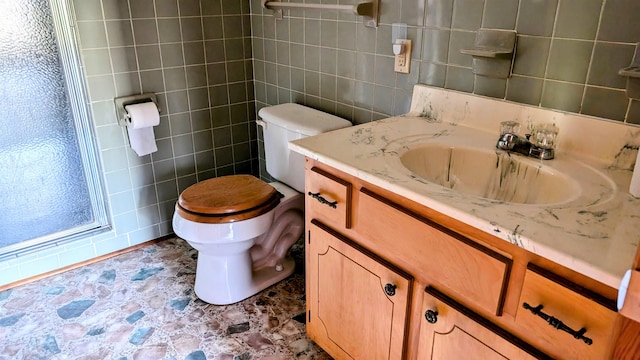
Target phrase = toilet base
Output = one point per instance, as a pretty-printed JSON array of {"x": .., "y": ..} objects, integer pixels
[{"x": 214, "y": 286}]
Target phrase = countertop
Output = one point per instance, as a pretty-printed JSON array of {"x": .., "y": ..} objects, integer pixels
[{"x": 596, "y": 233}]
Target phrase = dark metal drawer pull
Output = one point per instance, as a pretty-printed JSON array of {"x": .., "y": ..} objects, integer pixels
[
  {"x": 556, "y": 323},
  {"x": 317, "y": 196}
]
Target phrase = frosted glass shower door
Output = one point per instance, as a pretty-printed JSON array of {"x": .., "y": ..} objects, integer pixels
[{"x": 47, "y": 190}]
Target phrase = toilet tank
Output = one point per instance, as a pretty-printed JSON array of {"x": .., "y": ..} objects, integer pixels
[{"x": 287, "y": 122}]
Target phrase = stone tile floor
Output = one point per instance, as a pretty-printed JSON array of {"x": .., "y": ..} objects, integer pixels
[{"x": 140, "y": 305}]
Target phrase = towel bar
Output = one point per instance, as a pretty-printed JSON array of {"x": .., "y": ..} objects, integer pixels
[{"x": 368, "y": 9}]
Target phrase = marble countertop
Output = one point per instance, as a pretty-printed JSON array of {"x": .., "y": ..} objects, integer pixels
[{"x": 595, "y": 233}]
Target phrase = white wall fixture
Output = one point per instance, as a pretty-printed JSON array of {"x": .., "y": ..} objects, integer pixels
[
  {"x": 629, "y": 295},
  {"x": 401, "y": 48},
  {"x": 368, "y": 9}
]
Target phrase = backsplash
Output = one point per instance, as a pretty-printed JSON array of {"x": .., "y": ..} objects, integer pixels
[
  {"x": 613, "y": 144},
  {"x": 568, "y": 54}
]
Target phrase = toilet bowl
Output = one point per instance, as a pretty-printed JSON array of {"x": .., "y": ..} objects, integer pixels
[
  {"x": 242, "y": 246},
  {"x": 243, "y": 227}
]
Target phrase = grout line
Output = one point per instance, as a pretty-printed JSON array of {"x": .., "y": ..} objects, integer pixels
[
  {"x": 164, "y": 85},
  {"x": 552, "y": 45},
  {"x": 593, "y": 52},
  {"x": 206, "y": 73}
]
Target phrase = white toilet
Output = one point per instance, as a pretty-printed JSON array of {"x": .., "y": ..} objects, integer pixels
[{"x": 244, "y": 227}]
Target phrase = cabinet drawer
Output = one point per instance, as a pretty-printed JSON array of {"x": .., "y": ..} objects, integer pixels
[
  {"x": 328, "y": 198},
  {"x": 458, "y": 264},
  {"x": 550, "y": 300},
  {"x": 448, "y": 330}
]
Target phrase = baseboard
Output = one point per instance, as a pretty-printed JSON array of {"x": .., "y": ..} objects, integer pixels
[{"x": 83, "y": 263}]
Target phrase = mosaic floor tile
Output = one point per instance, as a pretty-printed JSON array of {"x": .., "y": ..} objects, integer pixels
[{"x": 141, "y": 305}]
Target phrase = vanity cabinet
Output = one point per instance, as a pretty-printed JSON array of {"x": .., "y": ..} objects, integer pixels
[{"x": 388, "y": 278}]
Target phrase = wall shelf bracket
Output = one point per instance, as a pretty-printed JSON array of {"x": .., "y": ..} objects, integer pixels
[
  {"x": 632, "y": 74},
  {"x": 493, "y": 51},
  {"x": 368, "y": 9}
]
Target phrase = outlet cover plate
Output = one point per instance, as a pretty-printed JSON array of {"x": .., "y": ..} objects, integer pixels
[{"x": 402, "y": 63}]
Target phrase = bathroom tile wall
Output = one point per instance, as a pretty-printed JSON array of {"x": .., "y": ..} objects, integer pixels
[
  {"x": 213, "y": 63},
  {"x": 567, "y": 58},
  {"x": 196, "y": 56}
]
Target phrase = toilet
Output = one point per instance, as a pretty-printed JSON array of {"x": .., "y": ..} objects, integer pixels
[{"x": 243, "y": 227}]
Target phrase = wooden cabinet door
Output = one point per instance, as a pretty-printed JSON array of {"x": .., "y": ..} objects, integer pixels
[
  {"x": 357, "y": 304},
  {"x": 452, "y": 332}
]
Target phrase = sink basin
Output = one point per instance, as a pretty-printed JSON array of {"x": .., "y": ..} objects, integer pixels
[{"x": 490, "y": 174}]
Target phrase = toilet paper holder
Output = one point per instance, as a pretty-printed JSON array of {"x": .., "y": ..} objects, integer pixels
[{"x": 121, "y": 102}]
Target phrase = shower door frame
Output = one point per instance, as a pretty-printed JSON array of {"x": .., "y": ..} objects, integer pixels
[{"x": 66, "y": 39}]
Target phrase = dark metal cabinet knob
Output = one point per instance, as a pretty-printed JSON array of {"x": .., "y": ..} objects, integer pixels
[
  {"x": 390, "y": 289},
  {"x": 431, "y": 316}
]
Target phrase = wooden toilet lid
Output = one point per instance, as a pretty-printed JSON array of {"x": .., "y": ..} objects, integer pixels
[{"x": 227, "y": 199}]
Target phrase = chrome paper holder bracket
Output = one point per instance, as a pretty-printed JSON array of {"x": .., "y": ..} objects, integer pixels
[
  {"x": 121, "y": 102},
  {"x": 368, "y": 9}
]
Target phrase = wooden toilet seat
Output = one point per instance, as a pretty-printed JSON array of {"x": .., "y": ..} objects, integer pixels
[{"x": 227, "y": 199}]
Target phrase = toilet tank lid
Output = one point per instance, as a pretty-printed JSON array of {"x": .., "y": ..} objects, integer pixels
[{"x": 302, "y": 119}]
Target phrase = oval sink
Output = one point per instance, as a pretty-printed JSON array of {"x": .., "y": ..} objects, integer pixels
[{"x": 490, "y": 174}]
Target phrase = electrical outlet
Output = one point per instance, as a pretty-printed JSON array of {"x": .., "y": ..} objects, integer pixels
[{"x": 402, "y": 62}]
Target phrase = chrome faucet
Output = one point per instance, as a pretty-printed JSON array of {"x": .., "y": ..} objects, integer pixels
[{"x": 514, "y": 143}]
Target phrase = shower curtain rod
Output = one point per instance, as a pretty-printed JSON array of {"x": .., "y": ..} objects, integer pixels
[{"x": 368, "y": 9}]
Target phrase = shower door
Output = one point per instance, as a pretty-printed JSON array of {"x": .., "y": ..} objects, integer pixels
[{"x": 50, "y": 190}]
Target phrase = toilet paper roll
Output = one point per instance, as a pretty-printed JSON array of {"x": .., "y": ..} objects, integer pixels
[
  {"x": 634, "y": 187},
  {"x": 142, "y": 118}
]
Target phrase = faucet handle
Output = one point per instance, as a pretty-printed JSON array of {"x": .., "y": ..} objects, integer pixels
[
  {"x": 509, "y": 127},
  {"x": 545, "y": 136}
]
